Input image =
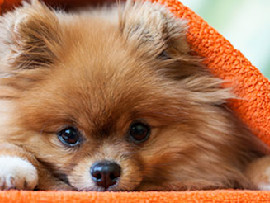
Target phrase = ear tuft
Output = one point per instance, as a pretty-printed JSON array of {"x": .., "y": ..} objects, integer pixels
[
  {"x": 29, "y": 36},
  {"x": 153, "y": 28}
]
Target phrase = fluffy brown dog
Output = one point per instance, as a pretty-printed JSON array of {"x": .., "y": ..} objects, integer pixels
[{"x": 101, "y": 101}]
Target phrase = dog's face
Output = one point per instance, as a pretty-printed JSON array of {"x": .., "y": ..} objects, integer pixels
[{"x": 111, "y": 105}]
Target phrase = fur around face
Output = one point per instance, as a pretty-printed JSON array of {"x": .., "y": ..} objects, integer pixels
[{"x": 101, "y": 72}]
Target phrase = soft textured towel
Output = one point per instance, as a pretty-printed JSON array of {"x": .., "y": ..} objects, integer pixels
[
  {"x": 124, "y": 197},
  {"x": 230, "y": 64},
  {"x": 225, "y": 62}
]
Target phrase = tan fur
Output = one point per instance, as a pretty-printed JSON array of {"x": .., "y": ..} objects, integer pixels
[{"x": 99, "y": 75}]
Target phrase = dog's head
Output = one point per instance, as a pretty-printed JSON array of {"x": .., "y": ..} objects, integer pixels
[{"x": 110, "y": 104}]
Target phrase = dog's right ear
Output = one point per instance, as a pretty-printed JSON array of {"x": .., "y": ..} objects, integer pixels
[
  {"x": 153, "y": 30},
  {"x": 29, "y": 37}
]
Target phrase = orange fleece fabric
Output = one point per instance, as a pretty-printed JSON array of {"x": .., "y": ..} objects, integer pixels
[
  {"x": 134, "y": 197},
  {"x": 225, "y": 62}
]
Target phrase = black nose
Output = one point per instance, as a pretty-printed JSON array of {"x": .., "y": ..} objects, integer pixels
[{"x": 105, "y": 173}]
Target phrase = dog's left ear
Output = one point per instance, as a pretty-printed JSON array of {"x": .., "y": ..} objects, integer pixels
[
  {"x": 153, "y": 30},
  {"x": 29, "y": 37}
]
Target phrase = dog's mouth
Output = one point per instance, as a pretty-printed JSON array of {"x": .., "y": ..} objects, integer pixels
[{"x": 64, "y": 178}]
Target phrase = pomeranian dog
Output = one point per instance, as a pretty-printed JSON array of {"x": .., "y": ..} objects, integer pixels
[{"x": 113, "y": 100}]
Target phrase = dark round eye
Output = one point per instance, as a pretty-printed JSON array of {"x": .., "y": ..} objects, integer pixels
[
  {"x": 139, "y": 132},
  {"x": 70, "y": 136}
]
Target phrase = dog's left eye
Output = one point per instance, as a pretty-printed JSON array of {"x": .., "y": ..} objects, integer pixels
[
  {"x": 139, "y": 132},
  {"x": 70, "y": 136}
]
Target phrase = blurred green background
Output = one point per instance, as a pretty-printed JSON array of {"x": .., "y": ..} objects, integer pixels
[{"x": 245, "y": 23}]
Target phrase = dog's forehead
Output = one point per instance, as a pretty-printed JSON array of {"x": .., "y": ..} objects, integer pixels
[
  {"x": 99, "y": 92},
  {"x": 97, "y": 63}
]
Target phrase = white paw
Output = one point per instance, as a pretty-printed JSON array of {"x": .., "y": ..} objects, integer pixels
[
  {"x": 17, "y": 173},
  {"x": 264, "y": 186}
]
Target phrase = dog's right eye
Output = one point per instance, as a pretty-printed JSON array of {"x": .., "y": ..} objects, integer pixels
[{"x": 70, "y": 136}]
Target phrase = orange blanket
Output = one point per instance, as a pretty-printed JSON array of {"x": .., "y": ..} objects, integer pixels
[
  {"x": 134, "y": 197},
  {"x": 225, "y": 62}
]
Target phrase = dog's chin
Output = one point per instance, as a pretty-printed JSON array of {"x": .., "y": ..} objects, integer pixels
[
  {"x": 99, "y": 189},
  {"x": 111, "y": 188},
  {"x": 87, "y": 187}
]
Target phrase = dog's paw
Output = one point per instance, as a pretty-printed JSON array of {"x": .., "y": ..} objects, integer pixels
[
  {"x": 259, "y": 173},
  {"x": 17, "y": 173}
]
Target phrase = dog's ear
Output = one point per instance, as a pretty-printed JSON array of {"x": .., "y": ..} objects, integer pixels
[
  {"x": 155, "y": 34},
  {"x": 29, "y": 37},
  {"x": 153, "y": 29}
]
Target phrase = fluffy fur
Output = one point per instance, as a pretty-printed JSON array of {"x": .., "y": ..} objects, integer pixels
[{"x": 99, "y": 71}]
